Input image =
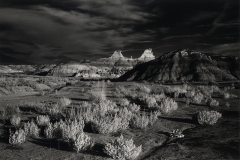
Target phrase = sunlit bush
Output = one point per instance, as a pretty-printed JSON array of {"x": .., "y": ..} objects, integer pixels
[
  {"x": 111, "y": 123},
  {"x": 98, "y": 93},
  {"x": 15, "y": 120},
  {"x": 81, "y": 142},
  {"x": 31, "y": 129},
  {"x": 9, "y": 111},
  {"x": 65, "y": 101},
  {"x": 139, "y": 121},
  {"x": 134, "y": 108},
  {"x": 42, "y": 120},
  {"x": 212, "y": 102},
  {"x": 64, "y": 130},
  {"x": 124, "y": 102},
  {"x": 18, "y": 137},
  {"x": 167, "y": 105},
  {"x": 208, "y": 117},
  {"x": 122, "y": 148},
  {"x": 153, "y": 117}
]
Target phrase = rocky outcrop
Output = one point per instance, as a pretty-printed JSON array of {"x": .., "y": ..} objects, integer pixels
[
  {"x": 147, "y": 55},
  {"x": 70, "y": 69},
  {"x": 118, "y": 64},
  {"x": 7, "y": 69},
  {"x": 186, "y": 65}
]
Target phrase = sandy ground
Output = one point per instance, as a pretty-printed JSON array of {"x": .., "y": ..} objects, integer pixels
[{"x": 219, "y": 141}]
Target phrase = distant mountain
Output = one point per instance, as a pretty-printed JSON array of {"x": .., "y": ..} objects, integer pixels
[{"x": 186, "y": 65}]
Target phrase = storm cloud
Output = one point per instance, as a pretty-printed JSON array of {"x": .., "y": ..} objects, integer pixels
[{"x": 54, "y": 31}]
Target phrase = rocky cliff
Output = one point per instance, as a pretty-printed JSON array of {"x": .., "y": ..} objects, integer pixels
[{"x": 186, "y": 65}]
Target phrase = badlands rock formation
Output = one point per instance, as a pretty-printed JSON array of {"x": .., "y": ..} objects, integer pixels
[{"x": 186, "y": 65}]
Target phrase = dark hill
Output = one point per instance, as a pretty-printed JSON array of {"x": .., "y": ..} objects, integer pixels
[{"x": 186, "y": 65}]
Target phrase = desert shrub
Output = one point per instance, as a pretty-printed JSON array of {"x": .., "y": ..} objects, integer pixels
[
  {"x": 15, "y": 120},
  {"x": 159, "y": 97},
  {"x": 142, "y": 88},
  {"x": 124, "y": 102},
  {"x": 105, "y": 106},
  {"x": 55, "y": 111},
  {"x": 71, "y": 128},
  {"x": 197, "y": 98},
  {"x": 167, "y": 105},
  {"x": 208, "y": 117},
  {"x": 112, "y": 123},
  {"x": 213, "y": 103},
  {"x": 122, "y": 148},
  {"x": 42, "y": 92},
  {"x": 40, "y": 107},
  {"x": 190, "y": 93},
  {"x": 150, "y": 101},
  {"x": 97, "y": 93},
  {"x": 139, "y": 121},
  {"x": 18, "y": 137},
  {"x": 134, "y": 108},
  {"x": 64, "y": 130},
  {"x": 153, "y": 117},
  {"x": 65, "y": 101},
  {"x": 81, "y": 141},
  {"x": 31, "y": 129},
  {"x": 49, "y": 131},
  {"x": 11, "y": 110},
  {"x": 226, "y": 95},
  {"x": 227, "y": 104},
  {"x": 42, "y": 120},
  {"x": 121, "y": 92},
  {"x": 233, "y": 96}
]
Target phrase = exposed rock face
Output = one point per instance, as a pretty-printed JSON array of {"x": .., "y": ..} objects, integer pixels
[
  {"x": 117, "y": 64},
  {"x": 186, "y": 65},
  {"x": 7, "y": 69},
  {"x": 117, "y": 55},
  {"x": 147, "y": 55},
  {"x": 71, "y": 69}
]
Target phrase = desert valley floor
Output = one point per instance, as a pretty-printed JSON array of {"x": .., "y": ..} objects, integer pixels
[{"x": 218, "y": 141}]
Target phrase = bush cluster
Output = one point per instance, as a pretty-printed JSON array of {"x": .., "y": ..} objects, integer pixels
[
  {"x": 18, "y": 137},
  {"x": 15, "y": 120},
  {"x": 31, "y": 129},
  {"x": 208, "y": 117},
  {"x": 122, "y": 148}
]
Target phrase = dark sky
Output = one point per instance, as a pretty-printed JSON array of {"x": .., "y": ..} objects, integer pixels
[{"x": 54, "y": 31}]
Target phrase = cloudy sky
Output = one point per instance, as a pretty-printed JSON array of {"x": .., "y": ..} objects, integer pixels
[{"x": 54, "y": 31}]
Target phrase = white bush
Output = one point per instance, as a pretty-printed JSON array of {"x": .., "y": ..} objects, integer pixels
[
  {"x": 213, "y": 103},
  {"x": 153, "y": 117},
  {"x": 122, "y": 148},
  {"x": 98, "y": 93},
  {"x": 226, "y": 95},
  {"x": 43, "y": 120},
  {"x": 139, "y": 121},
  {"x": 124, "y": 102},
  {"x": 134, "y": 108},
  {"x": 167, "y": 105},
  {"x": 31, "y": 129},
  {"x": 81, "y": 141},
  {"x": 208, "y": 117},
  {"x": 111, "y": 123},
  {"x": 64, "y": 130},
  {"x": 65, "y": 101},
  {"x": 15, "y": 120},
  {"x": 18, "y": 137}
]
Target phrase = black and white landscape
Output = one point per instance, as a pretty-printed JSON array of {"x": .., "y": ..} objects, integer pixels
[{"x": 119, "y": 79}]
